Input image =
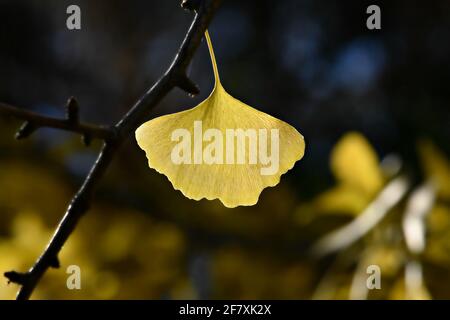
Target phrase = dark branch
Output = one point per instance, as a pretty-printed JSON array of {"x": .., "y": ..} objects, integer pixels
[
  {"x": 16, "y": 277},
  {"x": 34, "y": 121},
  {"x": 174, "y": 77}
]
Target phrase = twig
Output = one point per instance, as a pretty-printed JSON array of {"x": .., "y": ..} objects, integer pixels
[
  {"x": 34, "y": 121},
  {"x": 175, "y": 76}
]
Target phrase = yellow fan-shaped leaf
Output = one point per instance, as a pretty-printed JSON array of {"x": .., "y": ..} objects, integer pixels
[
  {"x": 221, "y": 149},
  {"x": 355, "y": 163}
]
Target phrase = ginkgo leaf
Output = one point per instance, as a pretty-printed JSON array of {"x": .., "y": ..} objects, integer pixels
[
  {"x": 221, "y": 149},
  {"x": 354, "y": 163}
]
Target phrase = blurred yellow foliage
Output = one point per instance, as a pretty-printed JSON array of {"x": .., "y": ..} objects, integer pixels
[
  {"x": 400, "y": 292},
  {"x": 132, "y": 256},
  {"x": 121, "y": 253},
  {"x": 26, "y": 186},
  {"x": 355, "y": 164},
  {"x": 124, "y": 253},
  {"x": 436, "y": 166},
  {"x": 239, "y": 274},
  {"x": 359, "y": 178}
]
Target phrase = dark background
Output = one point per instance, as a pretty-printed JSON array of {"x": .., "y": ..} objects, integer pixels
[{"x": 313, "y": 64}]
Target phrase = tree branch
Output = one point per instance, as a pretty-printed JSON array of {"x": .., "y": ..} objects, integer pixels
[
  {"x": 34, "y": 121},
  {"x": 175, "y": 76}
]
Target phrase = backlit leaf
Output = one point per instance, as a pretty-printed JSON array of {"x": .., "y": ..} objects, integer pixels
[{"x": 221, "y": 149}]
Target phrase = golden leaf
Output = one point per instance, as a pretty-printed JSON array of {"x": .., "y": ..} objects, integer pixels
[
  {"x": 355, "y": 164},
  {"x": 202, "y": 151}
]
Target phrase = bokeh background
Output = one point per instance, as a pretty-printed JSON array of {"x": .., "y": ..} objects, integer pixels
[{"x": 373, "y": 107}]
